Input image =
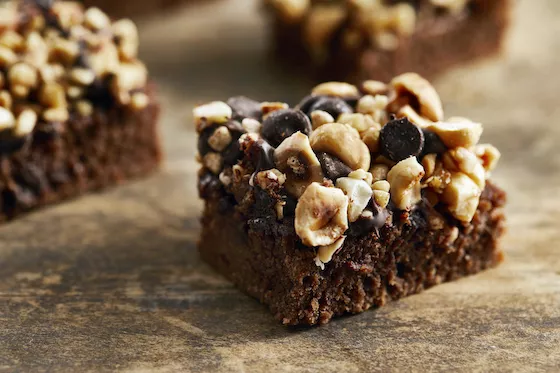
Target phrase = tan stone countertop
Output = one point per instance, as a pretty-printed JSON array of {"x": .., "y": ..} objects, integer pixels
[{"x": 113, "y": 281}]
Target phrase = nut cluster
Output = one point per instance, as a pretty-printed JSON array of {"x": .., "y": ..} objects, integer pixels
[
  {"x": 57, "y": 59},
  {"x": 345, "y": 153},
  {"x": 372, "y": 21}
]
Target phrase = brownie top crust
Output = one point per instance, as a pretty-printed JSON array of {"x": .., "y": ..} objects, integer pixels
[
  {"x": 355, "y": 23},
  {"x": 346, "y": 160},
  {"x": 59, "y": 60}
]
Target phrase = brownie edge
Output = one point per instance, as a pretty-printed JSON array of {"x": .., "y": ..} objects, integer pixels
[{"x": 405, "y": 259}]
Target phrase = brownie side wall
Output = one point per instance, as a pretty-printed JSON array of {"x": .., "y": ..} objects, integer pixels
[
  {"x": 90, "y": 153},
  {"x": 409, "y": 258}
]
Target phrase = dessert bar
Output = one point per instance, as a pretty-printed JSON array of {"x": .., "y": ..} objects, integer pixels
[
  {"x": 354, "y": 197},
  {"x": 77, "y": 112},
  {"x": 373, "y": 39}
]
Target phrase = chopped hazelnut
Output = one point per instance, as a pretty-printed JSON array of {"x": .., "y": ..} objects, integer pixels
[
  {"x": 458, "y": 132},
  {"x": 404, "y": 179},
  {"x": 381, "y": 198},
  {"x": 382, "y": 185},
  {"x": 251, "y": 125},
  {"x": 462, "y": 196},
  {"x": 320, "y": 117},
  {"x": 269, "y": 107},
  {"x": 488, "y": 155},
  {"x": 356, "y": 120},
  {"x": 96, "y": 19},
  {"x": 220, "y": 139},
  {"x": 428, "y": 99},
  {"x": 215, "y": 112},
  {"x": 58, "y": 114},
  {"x": 359, "y": 193},
  {"x": 270, "y": 179},
  {"x": 7, "y": 119},
  {"x": 374, "y": 87},
  {"x": 25, "y": 122},
  {"x": 139, "y": 100},
  {"x": 325, "y": 253},
  {"x": 84, "y": 108},
  {"x": 462, "y": 159},
  {"x": 362, "y": 175},
  {"x": 337, "y": 89},
  {"x": 213, "y": 161}
]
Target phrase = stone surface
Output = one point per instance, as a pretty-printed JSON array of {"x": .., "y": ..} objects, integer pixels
[{"x": 112, "y": 282}]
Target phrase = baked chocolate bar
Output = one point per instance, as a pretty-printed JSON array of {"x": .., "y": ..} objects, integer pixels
[
  {"x": 77, "y": 112},
  {"x": 354, "y": 197},
  {"x": 355, "y": 40}
]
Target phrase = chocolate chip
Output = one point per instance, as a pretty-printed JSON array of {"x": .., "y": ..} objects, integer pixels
[
  {"x": 265, "y": 156},
  {"x": 333, "y": 168},
  {"x": 9, "y": 143},
  {"x": 400, "y": 139},
  {"x": 332, "y": 105},
  {"x": 372, "y": 219},
  {"x": 281, "y": 124},
  {"x": 209, "y": 185},
  {"x": 432, "y": 143},
  {"x": 306, "y": 103},
  {"x": 244, "y": 107}
]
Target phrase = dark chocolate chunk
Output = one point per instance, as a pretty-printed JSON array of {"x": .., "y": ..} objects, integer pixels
[
  {"x": 369, "y": 222},
  {"x": 281, "y": 124},
  {"x": 9, "y": 143},
  {"x": 333, "y": 168},
  {"x": 307, "y": 102},
  {"x": 209, "y": 185},
  {"x": 332, "y": 105},
  {"x": 265, "y": 156},
  {"x": 400, "y": 139},
  {"x": 244, "y": 107},
  {"x": 432, "y": 143}
]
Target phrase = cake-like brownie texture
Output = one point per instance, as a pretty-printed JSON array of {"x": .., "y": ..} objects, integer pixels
[
  {"x": 354, "y": 197},
  {"x": 374, "y": 39},
  {"x": 76, "y": 110}
]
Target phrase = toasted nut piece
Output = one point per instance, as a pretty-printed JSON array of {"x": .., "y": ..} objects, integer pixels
[
  {"x": 213, "y": 161},
  {"x": 361, "y": 175},
  {"x": 320, "y": 24},
  {"x": 321, "y": 215},
  {"x": 439, "y": 179},
  {"x": 7, "y": 119},
  {"x": 6, "y": 100},
  {"x": 342, "y": 141},
  {"x": 82, "y": 75},
  {"x": 356, "y": 120},
  {"x": 105, "y": 60},
  {"x": 129, "y": 76},
  {"x": 458, "y": 132},
  {"x": 74, "y": 92},
  {"x": 403, "y": 18},
  {"x": 370, "y": 137},
  {"x": 25, "y": 123},
  {"x": 359, "y": 193},
  {"x": 381, "y": 198},
  {"x": 20, "y": 91},
  {"x": 11, "y": 39},
  {"x": 64, "y": 51},
  {"x": 96, "y": 19},
  {"x": 488, "y": 155},
  {"x": 52, "y": 95},
  {"x": 58, "y": 114},
  {"x": 414, "y": 84},
  {"x": 220, "y": 139},
  {"x": 414, "y": 117},
  {"x": 325, "y": 253},
  {"x": 84, "y": 108},
  {"x": 269, "y": 107},
  {"x": 291, "y": 11},
  {"x": 429, "y": 164},
  {"x": 270, "y": 179},
  {"x": 369, "y": 104},
  {"x": 320, "y": 117},
  {"x": 374, "y": 87},
  {"x": 453, "y": 6},
  {"x": 23, "y": 74},
  {"x": 36, "y": 50},
  {"x": 462, "y": 196},
  {"x": 251, "y": 125},
  {"x": 296, "y": 159},
  {"x": 7, "y": 57},
  {"x": 461, "y": 159},
  {"x": 379, "y": 172},
  {"x": 127, "y": 37},
  {"x": 405, "y": 178},
  {"x": 139, "y": 100},
  {"x": 382, "y": 185},
  {"x": 214, "y": 112},
  {"x": 338, "y": 89}
]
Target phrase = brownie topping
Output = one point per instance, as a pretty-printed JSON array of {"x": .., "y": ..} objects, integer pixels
[
  {"x": 400, "y": 139},
  {"x": 332, "y": 105},
  {"x": 333, "y": 168},
  {"x": 281, "y": 124},
  {"x": 432, "y": 143},
  {"x": 244, "y": 107}
]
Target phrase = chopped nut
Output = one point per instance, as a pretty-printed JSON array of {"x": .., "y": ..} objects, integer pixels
[
  {"x": 361, "y": 175},
  {"x": 127, "y": 37},
  {"x": 11, "y": 39},
  {"x": 429, "y": 164},
  {"x": 64, "y": 50},
  {"x": 342, "y": 141},
  {"x": 25, "y": 123},
  {"x": 36, "y": 50},
  {"x": 382, "y": 185},
  {"x": 325, "y": 253},
  {"x": 458, "y": 132},
  {"x": 84, "y": 108},
  {"x": 439, "y": 179},
  {"x": 7, "y": 57},
  {"x": 371, "y": 138},
  {"x": 74, "y": 92},
  {"x": 23, "y": 74},
  {"x": 139, "y": 100},
  {"x": 461, "y": 159},
  {"x": 215, "y": 112},
  {"x": 269, "y": 107},
  {"x": 403, "y": 18},
  {"x": 384, "y": 160},
  {"x": 337, "y": 89},
  {"x": 488, "y": 155},
  {"x": 96, "y": 19},
  {"x": 58, "y": 114},
  {"x": 320, "y": 117},
  {"x": 6, "y": 100},
  {"x": 270, "y": 179},
  {"x": 251, "y": 125},
  {"x": 379, "y": 172},
  {"x": 296, "y": 159},
  {"x": 51, "y": 73},
  {"x": 20, "y": 91},
  {"x": 52, "y": 95},
  {"x": 359, "y": 193},
  {"x": 358, "y": 121},
  {"x": 279, "y": 207},
  {"x": 130, "y": 76},
  {"x": 82, "y": 75},
  {"x": 321, "y": 215},
  {"x": 320, "y": 24},
  {"x": 291, "y": 11},
  {"x": 428, "y": 99},
  {"x": 105, "y": 60},
  {"x": 213, "y": 161},
  {"x": 374, "y": 87},
  {"x": 405, "y": 178},
  {"x": 462, "y": 196},
  {"x": 414, "y": 117},
  {"x": 381, "y": 198},
  {"x": 7, "y": 119},
  {"x": 220, "y": 139},
  {"x": 226, "y": 176}
]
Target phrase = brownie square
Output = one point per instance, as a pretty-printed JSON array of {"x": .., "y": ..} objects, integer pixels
[{"x": 354, "y": 197}]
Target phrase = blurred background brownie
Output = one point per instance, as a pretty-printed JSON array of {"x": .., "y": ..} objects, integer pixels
[
  {"x": 134, "y": 8},
  {"x": 375, "y": 39}
]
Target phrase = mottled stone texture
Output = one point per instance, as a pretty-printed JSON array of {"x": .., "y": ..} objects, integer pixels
[{"x": 112, "y": 282}]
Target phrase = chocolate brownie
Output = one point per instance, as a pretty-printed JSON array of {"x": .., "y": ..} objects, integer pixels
[
  {"x": 372, "y": 39},
  {"x": 354, "y": 197},
  {"x": 76, "y": 110}
]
